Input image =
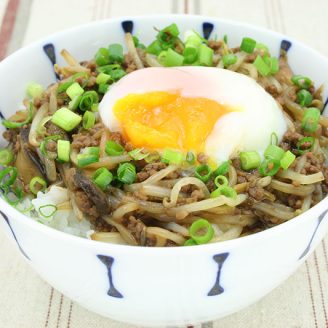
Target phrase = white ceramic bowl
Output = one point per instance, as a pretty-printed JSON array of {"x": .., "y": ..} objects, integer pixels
[{"x": 158, "y": 286}]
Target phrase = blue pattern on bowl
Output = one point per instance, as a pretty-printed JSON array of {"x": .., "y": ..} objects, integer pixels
[
  {"x": 127, "y": 26},
  {"x": 217, "y": 289},
  {"x": 49, "y": 50},
  {"x": 207, "y": 29}
]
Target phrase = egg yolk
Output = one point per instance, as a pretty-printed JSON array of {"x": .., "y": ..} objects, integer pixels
[{"x": 157, "y": 120}]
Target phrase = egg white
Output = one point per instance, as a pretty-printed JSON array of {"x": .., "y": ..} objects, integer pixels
[{"x": 248, "y": 128}]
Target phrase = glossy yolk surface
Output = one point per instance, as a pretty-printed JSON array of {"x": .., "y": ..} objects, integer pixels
[{"x": 157, "y": 120}]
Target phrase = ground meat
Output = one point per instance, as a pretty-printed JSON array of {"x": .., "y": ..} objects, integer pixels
[
  {"x": 136, "y": 227},
  {"x": 51, "y": 146},
  {"x": 88, "y": 138},
  {"x": 117, "y": 137},
  {"x": 202, "y": 158},
  {"x": 256, "y": 192},
  {"x": 53, "y": 129},
  {"x": 129, "y": 63},
  {"x": 272, "y": 89},
  {"x": 86, "y": 205},
  {"x": 215, "y": 45},
  {"x": 294, "y": 201},
  {"x": 103, "y": 226},
  {"x": 149, "y": 170}
]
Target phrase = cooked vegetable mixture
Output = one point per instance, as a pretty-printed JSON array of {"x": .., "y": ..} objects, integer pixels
[{"x": 64, "y": 168}]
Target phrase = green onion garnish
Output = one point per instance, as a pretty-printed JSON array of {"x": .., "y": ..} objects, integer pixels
[
  {"x": 287, "y": 160},
  {"x": 102, "y": 57},
  {"x": 190, "y": 55},
  {"x": 305, "y": 144},
  {"x": 103, "y": 88},
  {"x": 304, "y": 98},
  {"x": 137, "y": 154},
  {"x": 103, "y": 78},
  {"x": 269, "y": 167},
  {"x": 223, "y": 169},
  {"x": 74, "y": 103},
  {"x": 43, "y": 145},
  {"x": 261, "y": 66},
  {"x": 126, "y": 173},
  {"x": 113, "y": 148},
  {"x": 272, "y": 63},
  {"x": 201, "y": 231},
  {"x": 190, "y": 242},
  {"x": 91, "y": 151},
  {"x": 6, "y": 156},
  {"x": 88, "y": 120},
  {"x": 8, "y": 176},
  {"x": 221, "y": 180},
  {"x": 301, "y": 81},
  {"x": 274, "y": 139},
  {"x": 13, "y": 125},
  {"x": 172, "y": 157},
  {"x": 63, "y": 86},
  {"x": 167, "y": 36},
  {"x": 66, "y": 119},
  {"x": 224, "y": 191},
  {"x": 34, "y": 90},
  {"x": 102, "y": 178},
  {"x": 44, "y": 210},
  {"x": 229, "y": 59},
  {"x": 190, "y": 158},
  {"x": 117, "y": 74},
  {"x": 310, "y": 119},
  {"x": 274, "y": 152},
  {"x": 88, "y": 99},
  {"x": 74, "y": 90},
  {"x": 86, "y": 159},
  {"x": 63, "y": 150},
  {"x": 116, "y": 53},
  {"x": 205, "y": 55},
  {"x": 249, "y": 160},
  {"x": 203, "y": 172},
  {"x": 173, "y": 58},
  {"x": 262, "y": 47},
  {"x": 37, "y": 184},
  {"x": 154, "y": 48},
  {"x": 248, "y": 45}
]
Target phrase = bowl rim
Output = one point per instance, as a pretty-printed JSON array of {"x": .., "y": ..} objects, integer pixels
[{"x": 224, "y": 245}]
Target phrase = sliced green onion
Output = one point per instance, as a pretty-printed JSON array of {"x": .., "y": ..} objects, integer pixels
[
  {"x": 63, "y": 150},
  {"x": 113, "y": 148},
  {"x": 6, "y": 156},
  {"x": 13, "y": 125},
  {"x": 8, "y": 176},
  {"x": 154, "y": 48},
  {"x": 95, "y": 108},
  {"x": 88, "y": 99},
  {"x": 14, "y": 196},
  {"x": 116, "y": 53},
  {"x": 203, "y": 172},
  {"x": 48, "y": 210},
  {"x": 74, "y": 90},
  {"x": 301, "y": 81},
  {"x": 310, "y": 119},
  {"x": 43, "y": 145},
  {"x": 225, "y": 39},
  {"x": 201, "y": 231},
  {"x": 172, "y": 157},
  {"x": 126, "y": 173},
  {"x": 229, "y": 59},
  {"x": 34, "y": 90},
  {"x": 190, "y": 242},
  {"x": 103, "y": 88},
  {"x": 287, "y": 160},
  {"x": 102, "y": 57},
  {"x": 224, "y": 191},
  {"x": 37, "y": 184},
  {"x": 274, "y": 152},
  {"x": 102, "y": 78},
  {"x": 249, "y": 160},
  {"x": 305, "y": 144},
  {"x": 63, "y": 86},
  {"x": 89, "y": 120},
  {"x": 223, "y": 169},
  {"x": 261, "y": 66},
  {"x": 153, "y": 157},
  {"x": 262, "y": 47},
  {"x": 167, "y": 36},
  {"x": 102, "y": 178},
  {"x": 190, "y": 55},
  {"x": 86, "y": 159},
  {"x": 74, "y": 103},
  {"x": 173, "y": 58},
  {"x": 274, "y": 139},
  {"x": 248, "y": 45},
  {"x": 66, "y": 119},
  {"x": 91, "y": 151},
  {"x": 272, "y": 63},
  {"x": 221, "y": 180},
  {"x": 117, "y": 74},
  {"x": 269, "y": 167},
  {"x": 137, "y": 154},
  {"x": 190, "y": 158},
  {"x": 205, "y": 55},
  {"x": 304, "y": 98}
]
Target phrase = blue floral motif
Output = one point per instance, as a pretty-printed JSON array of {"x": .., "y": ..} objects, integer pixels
[
  {"x": 127, "y": 26},
  {"x": 207, "y": 29},
  {"x": 14, "y": 235},
  {"x": 49, "y": 50},
  {"x": 307, "y": 249},
  {"x": 217, "y": 289},
  {"x": 108, "y": 262},
  {"x": 285, "y": 45}
]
